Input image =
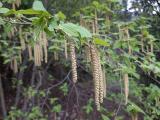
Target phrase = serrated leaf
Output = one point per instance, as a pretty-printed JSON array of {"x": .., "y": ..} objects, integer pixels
[{"x": 74, "y": 30}]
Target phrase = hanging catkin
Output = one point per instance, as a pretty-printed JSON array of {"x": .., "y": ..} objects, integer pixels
[
  {"x": 44, "y": 44},
  {"x": 142, "y": 43},
  {"x": 40, "y": 51},
  {"x": 128, "y": 40},
  {"x": 96, "y": 23},
  {"x": 87, "y": 54},
  {"x": 22, "y": 41},
  {"x": 65, "y": 49},
  {"x": 104, "y": 83},
  {"x": 13, "y": 6},
  {"x": 56, "y": 56},
  {"x": 73, "y": 62},
  {"x": 101, "y": 91},
  {"x": 37, "y": 56},
  {"x": 15, "y": 66},
  {"x": 126, "y": 87},
  {"x": 95, "y": 67},
  {"x": 93, "y": 27},
  {"x": 18, "y": 3},
  {"x": 30, "y": 52}
]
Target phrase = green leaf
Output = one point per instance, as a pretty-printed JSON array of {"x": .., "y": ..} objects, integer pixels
[
  {"x": 100, "y": 42},
  {"x": 7, "y": 61},
  {"x": 134, "y": 108},
  {"x": 73, "y": 30},
  {"x": 4, "y": 10},
  {"x": 104, "y": 117},
  {"x": 60, "y": 16},
  {"x": 1, "y": 4},
  {"x": 53, "y": 24},
  {"x": 57, "y": 108},
  {"x": 29, "y": 12},
  {"x": 67, "y": 30},
  {"x": 84, "y": 33},
  {"x": 38, "y": 5}
]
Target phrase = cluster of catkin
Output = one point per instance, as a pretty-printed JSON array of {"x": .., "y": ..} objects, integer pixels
[
  {"x": 14, "y": 63},
  {"x": 16, "y": 3},
  {"x": 40, "y": 50},
  {"x": 98, "y": 77},
  {"x": 73, "y": 61}
]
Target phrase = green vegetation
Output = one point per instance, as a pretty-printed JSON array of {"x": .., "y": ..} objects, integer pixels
[{"x": 79, "y": 60}]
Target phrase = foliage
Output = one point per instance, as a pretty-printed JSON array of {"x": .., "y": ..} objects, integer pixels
[{"x": 34, "y": 48}]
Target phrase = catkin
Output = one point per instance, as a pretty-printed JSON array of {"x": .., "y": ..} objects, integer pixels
[
  {"x": 96, "y": 23},
  {"x": 104, "y": 83},
  {"x": 20, "y": 58},
  {"x": 87, "y": 54},
  {"x": 13, "y": 6},
  {"x": 126, "y": 87},
  {"x": 15, "y": 65},
  {"x": 96, "y": 79},
  {"x": 30, "y": 52},
  {"x": 65, "y": 49},
  {"x": 129, "y": 46},
  {"x": 73, "y": 62},
  {"x": 40, "y": 50},
  {"x": 142, "y": 44},
  {"x": 56, "y": 56},
  {"x": 101, "y": 96},
  {"x": 22, "y": 41},
  {"x": 37, "y": 56},
  {"x": 93, "y": 27},
  {"x": 18, "y": 3},
  {"x": 45, "y": 45},
  {"x": 11, "y": 65}
]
